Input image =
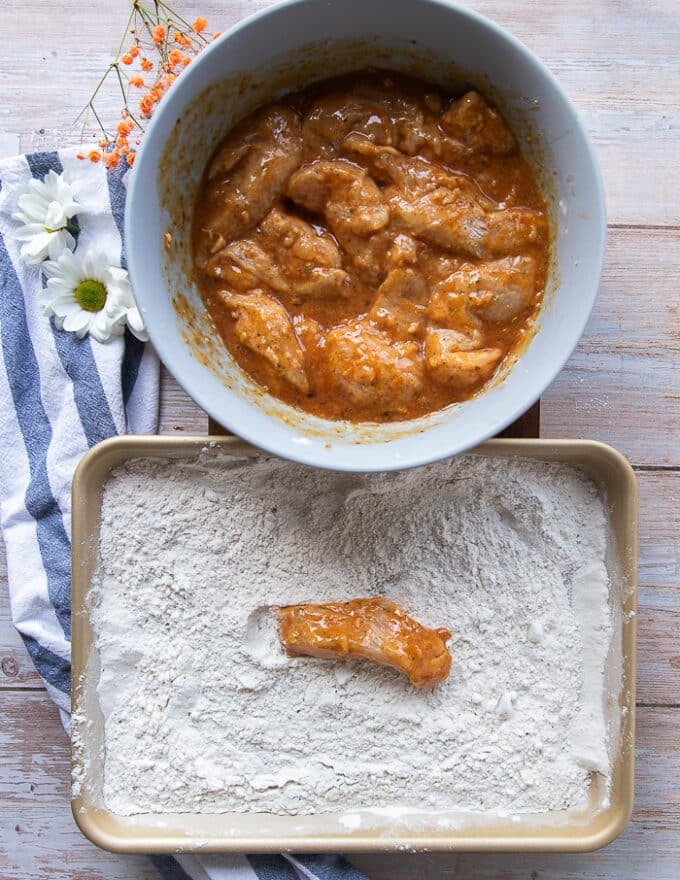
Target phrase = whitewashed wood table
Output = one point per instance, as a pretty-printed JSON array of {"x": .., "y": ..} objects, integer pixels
[{"x": 619, "y": 60}]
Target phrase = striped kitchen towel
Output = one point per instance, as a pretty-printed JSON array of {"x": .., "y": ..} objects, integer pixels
[{"x": 59, "y": 396}]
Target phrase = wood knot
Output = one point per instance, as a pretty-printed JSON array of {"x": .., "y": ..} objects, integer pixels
[{"x": 10, "y": 667}]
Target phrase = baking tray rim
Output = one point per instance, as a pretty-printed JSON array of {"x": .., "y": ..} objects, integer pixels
[{"x": 106, "y": 830}]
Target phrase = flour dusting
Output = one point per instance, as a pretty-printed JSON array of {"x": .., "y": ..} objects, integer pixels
[{"x": 203, "y": 712}]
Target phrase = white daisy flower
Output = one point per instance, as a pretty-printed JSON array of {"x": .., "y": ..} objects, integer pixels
[
  {"x": 45, "y": 212},
  {"x": 85, "y": 294}
]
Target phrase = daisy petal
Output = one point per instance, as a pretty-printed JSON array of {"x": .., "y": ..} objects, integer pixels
[
  {"x": 136, "y": 324},
  {"x": 77, "y": 321}
]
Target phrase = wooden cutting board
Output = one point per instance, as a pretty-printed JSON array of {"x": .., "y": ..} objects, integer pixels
[{"x": 527, "y": 425}]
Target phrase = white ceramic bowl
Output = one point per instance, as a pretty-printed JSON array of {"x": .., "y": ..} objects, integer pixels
[{"x": 282, "y": 48}]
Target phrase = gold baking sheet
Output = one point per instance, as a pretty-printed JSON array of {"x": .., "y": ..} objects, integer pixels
[{"x": 587, "y": 829}]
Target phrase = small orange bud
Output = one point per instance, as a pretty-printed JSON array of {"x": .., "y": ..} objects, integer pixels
[{"x": 200, "y": 25}]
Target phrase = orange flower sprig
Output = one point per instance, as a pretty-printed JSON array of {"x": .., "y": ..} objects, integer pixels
[{"x": 157, "y": 44}]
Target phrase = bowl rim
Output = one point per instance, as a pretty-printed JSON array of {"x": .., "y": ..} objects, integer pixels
[{"x": 344, "y": 455}]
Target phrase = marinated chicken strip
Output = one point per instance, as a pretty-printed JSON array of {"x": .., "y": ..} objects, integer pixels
[
  {"x": 476, "y": 125},
  {"x": 310, "y": 261},
  {"x": 263, "y": 326},
  {"x": 332, "y": 117},
  {"x": 249, "y": 172},
  {"x": 455, "y": 220},
  {"x": 368, "y": 629},
  {"x": 286, "y": 255},
  {"x": 354, "y": 209},
  {"x": 344, "y": 193},
  {"x": 370, "y": 368},
  {"x": 449, "y": 363},
  {"x": 449, "y": 307},
  {"x": 245, "y": 265},
  {"x": 400, "y": 304},
  {"x": 411, "y": 130},
  {"x": 497, "y": 291},
  {"x": 447, "y": 210},
  {"x": 295, "y": 242}
]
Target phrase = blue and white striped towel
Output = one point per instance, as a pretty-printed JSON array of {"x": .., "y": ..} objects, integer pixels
[{"x": 59, "y": 396}]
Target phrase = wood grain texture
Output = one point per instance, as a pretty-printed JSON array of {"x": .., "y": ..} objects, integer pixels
[
  {"x": 178, "y": 413},
  {"x": 619, "y": 62},
  {"x": 38, "y": 837},
  {"x": 622, "y": 384}
]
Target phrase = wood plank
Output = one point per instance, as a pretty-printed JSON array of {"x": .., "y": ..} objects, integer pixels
[
  {"x": 617, "y": 397},
  {"x": 178, "y": 412},
  {"x": 16, "y": 668},
  {"x": 658, "y": 645},
  {"x": 38, "y": 837},
  {"x": 41, "y": 842},
  {"x": 659, "y": 562},
  {"x": 622, "y": 384},
  {"x": 617, "y": 59},
  {"x": 618, "y": 62}
]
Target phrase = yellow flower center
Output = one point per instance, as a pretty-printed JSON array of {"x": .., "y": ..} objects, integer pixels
[{"x": 90, "y": 295}]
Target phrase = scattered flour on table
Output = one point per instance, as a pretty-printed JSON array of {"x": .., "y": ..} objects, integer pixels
[{"x": 204, "y": 713}]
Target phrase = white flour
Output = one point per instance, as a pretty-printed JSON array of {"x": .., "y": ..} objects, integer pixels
[{"x": 203, "y": 713}]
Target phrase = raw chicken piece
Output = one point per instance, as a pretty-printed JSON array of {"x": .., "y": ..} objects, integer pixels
[
  {"x": 400, "y": 303},
  {"x": 286, "y": 255},
  {"x": 404, "y": 252},
  {"x": 410, "y": 131},
  {"x": 457, "y": 219},
  {"x": 344, "y": 193},
  {"x": 372, "y": 110},
  {"x": 263, "y": 326},
  {"x": 411, "y": 173},
  {"x": 497, "y": 290},
  {"x": 295, "y": 242},
  {"x": 372, "y": 369},
  {"x": 354, "y": 209},
  {"x": 332, "y": 117},
  {"x": 309, "y": 332},
  {"x": 472, "y": 122},
  {"x": 369, "y": 629},
  {"x": 449, "y": 364},
  {"x": 248, "y": 174},
  {"x": 311, "y": 262},
  {"x": 445, "y": 209},
  {"x": 449, "y": 307},
  {"x": 245, "y": 265}
]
